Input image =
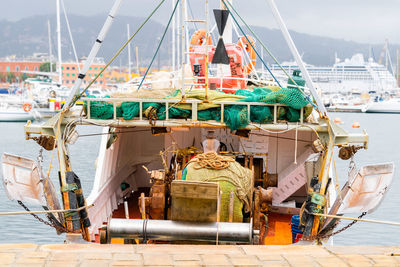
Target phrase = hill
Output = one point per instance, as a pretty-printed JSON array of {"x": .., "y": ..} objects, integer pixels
[{"x": 29, "y": 35}]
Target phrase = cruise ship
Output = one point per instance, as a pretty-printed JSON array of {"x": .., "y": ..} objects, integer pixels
[{"x": 350, "y": 75}]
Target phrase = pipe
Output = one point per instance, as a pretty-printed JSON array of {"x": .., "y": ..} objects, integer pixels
[{"x": 179, "y": 230}]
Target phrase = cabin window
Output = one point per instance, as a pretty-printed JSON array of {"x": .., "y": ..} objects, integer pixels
[
  {"x": 26, "y": 68},
  {"x": 73, "y": 68},
  {"x": 36, "y": 68},
  {"x": 17, "y": 68}
]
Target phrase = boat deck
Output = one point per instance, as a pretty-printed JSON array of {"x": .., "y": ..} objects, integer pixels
[{"x": 196, "y": 255}]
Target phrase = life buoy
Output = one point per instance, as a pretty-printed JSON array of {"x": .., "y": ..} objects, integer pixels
[
  {"x": 27, "y": 107},
  {"x": 199, "y": 38},
  {"x": 244, "y": 44}
]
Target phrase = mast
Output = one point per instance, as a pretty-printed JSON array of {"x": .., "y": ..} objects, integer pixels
[
  {"x": 129, "y": 51},
  {"x": 297, "y": 56},
  {"x": 93, "y": 52},
  {"x": 173, "y": 37},
  {"x": 397, "y": 68},
  {"x": 137, "y": 60},
  {"x": 183, "y": 2},
  {"x": 50, "y": 52},
  {"x": 227, "y": 36},
  {"x": 59, "y": 43}
]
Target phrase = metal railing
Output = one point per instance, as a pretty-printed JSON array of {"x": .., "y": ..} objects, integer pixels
[{"x": 171, "y": 102}]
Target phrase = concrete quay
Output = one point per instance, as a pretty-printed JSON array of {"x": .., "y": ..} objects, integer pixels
[{"x": 59, "y": 255}]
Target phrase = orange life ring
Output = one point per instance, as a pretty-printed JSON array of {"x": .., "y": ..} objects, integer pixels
[
  {"x": 244, "y": 44},
  {"x": 199, "y": 38},
  {"x": 27, "y": 107}
]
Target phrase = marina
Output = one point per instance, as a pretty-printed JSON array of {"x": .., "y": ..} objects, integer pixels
[{"x": 257, "y": 161}]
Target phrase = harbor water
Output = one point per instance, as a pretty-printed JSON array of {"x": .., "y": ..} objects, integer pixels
[{"x": 384, "y": 146}]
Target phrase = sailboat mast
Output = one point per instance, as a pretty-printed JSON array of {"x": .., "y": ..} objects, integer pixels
[
  {"x": 173, "y": 37},
  {"x": 59, "y": 43},
  {"x": 50, "y": 52},
  {"x": 183, "y": 46},
  {"x": 397, "y": 68},
  {"x": 129, "y": 52}
]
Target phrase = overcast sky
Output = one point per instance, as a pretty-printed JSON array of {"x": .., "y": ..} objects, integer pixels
[{"x": 367, "y": 21}]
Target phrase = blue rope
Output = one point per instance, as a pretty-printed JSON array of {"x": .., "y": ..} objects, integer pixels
[
  {"x": 159, "y": 45},
  {"x": 259, "y": 56}
]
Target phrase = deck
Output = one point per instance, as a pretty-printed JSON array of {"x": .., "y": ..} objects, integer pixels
[{"x": 195, "y": 255}]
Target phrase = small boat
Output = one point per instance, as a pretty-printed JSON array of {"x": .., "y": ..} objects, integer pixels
[
  {"x": 386, "y": 106},
  {"x": 17, "y": 111}
]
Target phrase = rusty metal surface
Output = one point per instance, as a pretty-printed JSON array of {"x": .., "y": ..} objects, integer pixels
[
  {"x": 22, "y": 180},
  {"x": 367, "y": 189}
]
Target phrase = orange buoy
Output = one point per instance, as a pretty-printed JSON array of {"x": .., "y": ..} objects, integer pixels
[
  {"x": 199, "y": 38},
  {"x": 248, "y": 46},
  {"x": 355, "y": 125},
  {"x": 337, "y": 120},
  {"x": 27, "y": 107}
]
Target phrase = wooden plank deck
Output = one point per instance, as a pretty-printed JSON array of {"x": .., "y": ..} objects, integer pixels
[{"x": 195, "y": 255}]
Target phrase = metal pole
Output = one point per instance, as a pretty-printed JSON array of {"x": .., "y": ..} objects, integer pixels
[
  {"x": 183, "y": 46},
  {"x": 296, "y": 55},
  {"x": 356, "y": 219},
  {"x": 206, "y": 63},
  {"x": 227, "y": 36},
  {"x": 59, "y": 43},
  {"x": 137, "y": 60},
  {"x": 173, "y": 37},
  {"x": 129, "y": 52},
  {"x": 93, "y": 52},
  {"x": 50, "y": 52}
]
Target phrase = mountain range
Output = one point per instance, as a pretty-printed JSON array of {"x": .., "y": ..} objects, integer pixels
[{"x": 29, "y": 35}]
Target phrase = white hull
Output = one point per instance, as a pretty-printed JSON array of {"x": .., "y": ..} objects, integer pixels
[
  {"x": 390, "y": 106},
  {"x": 346, "y": 108},
  {"x": 15, "y": 116}
]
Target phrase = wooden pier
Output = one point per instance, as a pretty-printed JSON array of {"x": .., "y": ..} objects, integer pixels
[{"x": 195, "y": 255}]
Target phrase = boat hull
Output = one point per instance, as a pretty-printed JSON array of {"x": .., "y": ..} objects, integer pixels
[{"x": 15, "y": 116}]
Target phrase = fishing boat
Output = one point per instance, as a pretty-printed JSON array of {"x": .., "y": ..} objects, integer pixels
[{"x": 208, "y": 153}]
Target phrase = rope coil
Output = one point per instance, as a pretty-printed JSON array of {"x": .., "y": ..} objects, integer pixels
[{"x": 211, "y": 160}]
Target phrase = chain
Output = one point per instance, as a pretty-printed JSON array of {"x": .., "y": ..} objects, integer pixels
[
  {"x": 51, "y": 224},
  {"x": 343, "y": 229}
]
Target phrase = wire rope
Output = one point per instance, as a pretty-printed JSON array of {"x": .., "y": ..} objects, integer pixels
[
  {"x": 117, "y": 53},
  {"x": 159, "y": 45}
]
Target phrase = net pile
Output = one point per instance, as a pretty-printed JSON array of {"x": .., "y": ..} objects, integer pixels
[
  {"x": 235, "y": 116},
  {"x": 231, "y": 176}
]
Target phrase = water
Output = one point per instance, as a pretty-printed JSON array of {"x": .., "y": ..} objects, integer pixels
[{"x": 384, "y": 146}]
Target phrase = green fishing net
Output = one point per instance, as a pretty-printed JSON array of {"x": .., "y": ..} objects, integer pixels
[{"x": 235, "y": 116}]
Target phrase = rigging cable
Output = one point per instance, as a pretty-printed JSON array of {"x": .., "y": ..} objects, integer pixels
[
  {"x": 70, "y": 36},
  {"x": 248, "y": 40},
  {"x": 159, "y": 45},
  {"x": 117, "y": 53},
  {"x": 267, "y": 50}
]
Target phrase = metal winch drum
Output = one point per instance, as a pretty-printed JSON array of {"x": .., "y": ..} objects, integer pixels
[{"x": 180, "y": 230}]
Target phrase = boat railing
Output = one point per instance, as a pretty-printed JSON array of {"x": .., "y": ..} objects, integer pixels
[{"x": 172, "y": 102}]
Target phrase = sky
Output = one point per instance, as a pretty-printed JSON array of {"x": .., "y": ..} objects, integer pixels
[{"x": 365, "y": 21}]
